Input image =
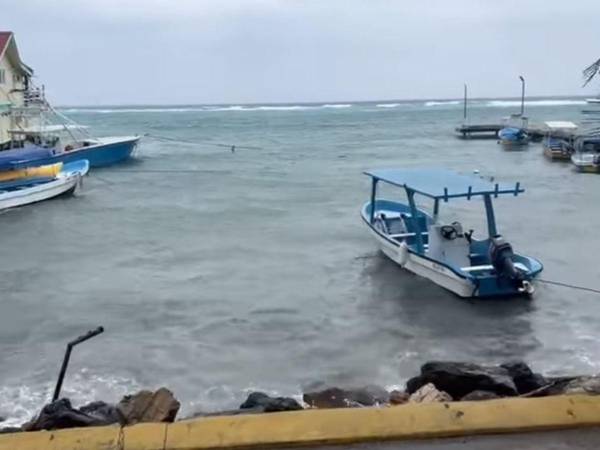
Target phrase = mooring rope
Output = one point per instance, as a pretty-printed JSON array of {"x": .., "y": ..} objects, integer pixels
[
  {"x": 232, "y": 147},
  {"x": 567, "y": 285}
]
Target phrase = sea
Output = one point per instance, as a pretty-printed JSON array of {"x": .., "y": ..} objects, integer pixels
[{"x": 217, "y": 271}]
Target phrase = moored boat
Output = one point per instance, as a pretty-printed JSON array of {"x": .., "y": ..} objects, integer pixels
[
  {"x": 22, "y": 192},
  {"x": 420, "y": 242},
  {"x": 511, "y": 136},
  {"x": 557, "y": 142},
  {"x": 67, "y": 142},
  {"x": 28, "y": 121},
  {"x": 586, "y": 157}
]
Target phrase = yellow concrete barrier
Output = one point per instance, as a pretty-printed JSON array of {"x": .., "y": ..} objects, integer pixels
[{"x": 327, "y": 426}]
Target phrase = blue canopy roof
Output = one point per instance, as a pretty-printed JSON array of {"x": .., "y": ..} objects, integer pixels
[
  {"x": 21, "y": 157},
  {"x": 442, "y": 184}
]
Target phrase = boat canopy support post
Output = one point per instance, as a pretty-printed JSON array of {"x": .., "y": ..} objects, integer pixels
[
  {"x": 436, "y": 209},
  {"x": 373, "y": 196},
  {"x": 489, "y": 212},
  {"x": 414, "y": 218}
]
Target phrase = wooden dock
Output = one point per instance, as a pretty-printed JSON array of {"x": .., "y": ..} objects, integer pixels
[{"x": 479, "y": 131}]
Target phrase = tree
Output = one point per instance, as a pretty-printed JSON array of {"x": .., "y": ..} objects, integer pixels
[{"x": 591, "y": 71}]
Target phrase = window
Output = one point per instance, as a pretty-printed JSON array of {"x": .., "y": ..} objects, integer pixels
[{"x": 2, "y": 76}]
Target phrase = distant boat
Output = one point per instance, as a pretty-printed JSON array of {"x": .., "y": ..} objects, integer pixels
[
  {"x": 557, "y": 142},
  {"x": 593, "y": 100},
  {"x": 22, "y": 192},
  {"x": 586, "y": 157},
  {"x": 444, "y": 253},
  {"x": 511, "y": 136}
]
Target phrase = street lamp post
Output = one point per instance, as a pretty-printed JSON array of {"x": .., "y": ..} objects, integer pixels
[{"x": 522, "y": 95}]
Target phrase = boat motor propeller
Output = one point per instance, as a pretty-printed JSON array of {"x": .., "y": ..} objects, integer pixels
[{"x": 501, "y": 254}]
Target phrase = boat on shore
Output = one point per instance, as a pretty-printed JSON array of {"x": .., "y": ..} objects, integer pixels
[
  {"x": 420, "y": 242},
  {"x": 22, "y": 192}
]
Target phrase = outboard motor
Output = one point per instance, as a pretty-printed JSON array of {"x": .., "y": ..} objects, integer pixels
[{"x": 501, "y": 254}]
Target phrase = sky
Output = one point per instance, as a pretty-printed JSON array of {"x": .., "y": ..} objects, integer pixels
[{"x": 110, "y": 52}]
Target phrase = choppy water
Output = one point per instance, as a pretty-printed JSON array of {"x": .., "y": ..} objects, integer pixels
[{"x": 252, "y": 270}]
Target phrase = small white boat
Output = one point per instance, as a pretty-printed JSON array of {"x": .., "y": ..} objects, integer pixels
[
  {"x": 420, "y": 242},
  {"x": 593, "y": 100},
  {"x": 586, "y": 157},
  {"x": 26, "y": 191}
]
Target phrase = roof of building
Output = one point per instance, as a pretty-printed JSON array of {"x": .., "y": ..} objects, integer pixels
[
  {"x": 8, "y": 46},
  {"x": 442, "y": 184}
]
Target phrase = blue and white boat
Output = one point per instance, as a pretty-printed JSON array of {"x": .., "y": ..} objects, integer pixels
[
  {"x": 55, "y": 144},
  {"x": 512, "y": 136},
  {"x": 38, "y": 126},
  {"x": 420, "y": 242},
  {"x": 22, "y": 192}
]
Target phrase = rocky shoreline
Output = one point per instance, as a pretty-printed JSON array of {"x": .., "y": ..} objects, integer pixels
[{"x": 438, "y": 381}]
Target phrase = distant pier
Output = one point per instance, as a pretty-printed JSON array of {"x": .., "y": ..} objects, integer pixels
[{"x": 480, "y": 131}]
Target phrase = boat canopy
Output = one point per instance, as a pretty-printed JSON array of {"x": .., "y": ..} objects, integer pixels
[
  {"x": 561, "y": 125},
  {"x": 441, "y": 184},
  {"x": 12, "y": 159}
]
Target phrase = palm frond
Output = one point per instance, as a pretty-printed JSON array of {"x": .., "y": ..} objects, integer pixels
[{"x": 591, "y": 71}]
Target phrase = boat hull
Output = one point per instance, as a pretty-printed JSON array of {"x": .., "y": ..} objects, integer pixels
[
  {"x": 65, "y": 183},
  {"x": 106, "y": 152},
  {"x": 557, "y": 155},
  {"x": 441, "y": 274},
  {"x": 586, "y": 163}
]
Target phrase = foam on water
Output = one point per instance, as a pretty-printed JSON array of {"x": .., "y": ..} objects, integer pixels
[
  {"x": 442, "y": 103},
  {"x": 387, "y": 105},
  {"x": 166, "y": 110},
  {"x": 549, "y": 102},
  {"x": 20, "y": 402}
]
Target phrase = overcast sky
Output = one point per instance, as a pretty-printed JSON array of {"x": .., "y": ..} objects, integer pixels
[{"x": 91, "y": 52}]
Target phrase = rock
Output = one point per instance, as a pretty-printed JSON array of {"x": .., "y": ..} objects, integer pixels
[
  {"x": 148, "y": 406},
  {"x": 523, "y": 377},
  {"x": 479, "y": 395},
  {"x": 398, "y": 397},
  {"x": 60, "y": 414},
  {"x": 103, "y": 411},
  {"x": 458, "y": 379},
  {"x": 261, "y": 402},
  {"x": 344, "y": 398},
  {"x": 429, "y": 394},
  {"x": 583, "y": 385}
]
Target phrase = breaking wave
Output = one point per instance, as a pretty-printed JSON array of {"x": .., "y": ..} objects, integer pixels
[
  {"x": 19, "y": 402},
  {"x": 549, "y": 102},
  {"x": 206, "y": 109},
  {"x": 442, "y": 103},
  {"x": 387, "y": 105}
]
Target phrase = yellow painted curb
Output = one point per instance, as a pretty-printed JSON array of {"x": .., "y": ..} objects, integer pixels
[{"x": 326, "y": 426}]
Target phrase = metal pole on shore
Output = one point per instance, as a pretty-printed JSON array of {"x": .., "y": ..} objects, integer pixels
[
  {"x": 63, "y": 369},
  {"x": 522, "y": 95},
  {"x": 465, "y": 105}
]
